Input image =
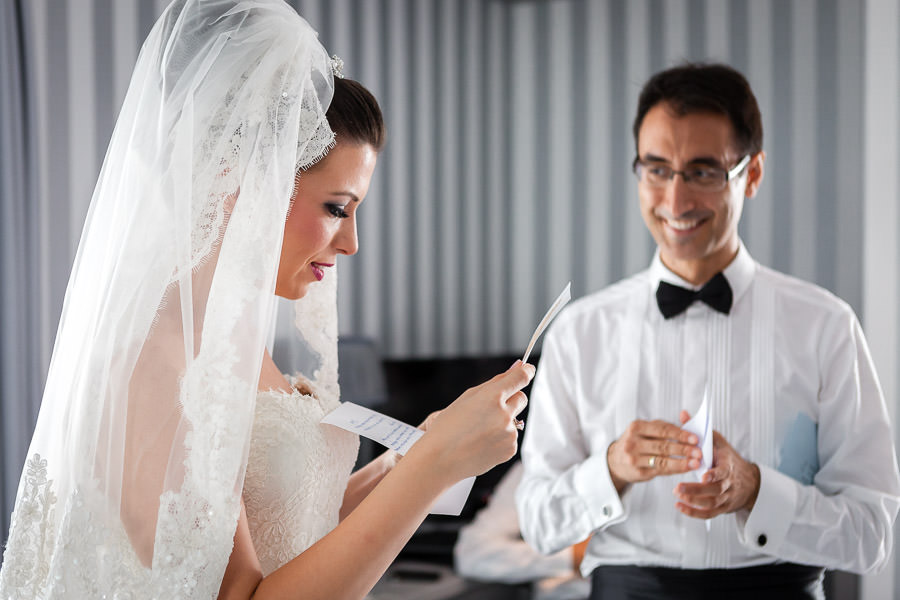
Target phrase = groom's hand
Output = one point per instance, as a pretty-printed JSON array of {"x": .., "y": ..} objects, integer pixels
[
  {"x": 732, "y": 484},
  {"x": 650, "y": 448}
]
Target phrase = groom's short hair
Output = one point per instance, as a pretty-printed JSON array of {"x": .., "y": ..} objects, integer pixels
[{"x": 706, "y": 88}]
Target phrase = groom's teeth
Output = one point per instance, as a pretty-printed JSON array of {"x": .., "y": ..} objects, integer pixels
[{"x": 682, "y": 225}]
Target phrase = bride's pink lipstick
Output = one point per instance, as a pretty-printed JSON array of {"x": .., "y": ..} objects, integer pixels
[{"x": 318, "y": 269}]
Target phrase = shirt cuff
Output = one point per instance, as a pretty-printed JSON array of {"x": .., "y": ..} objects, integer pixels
[
  {"x": 766, "y": 526},
  {"x": 593, "y": 483}
]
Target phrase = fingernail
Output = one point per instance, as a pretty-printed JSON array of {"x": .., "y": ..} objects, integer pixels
[
  {"x": 693, "y": 463},
  {"x": 531, "y": 369},
  {"x": 693, "y": 439},
  {"x": 696, "y": 453},
  {"x": 515, "y": 364}
]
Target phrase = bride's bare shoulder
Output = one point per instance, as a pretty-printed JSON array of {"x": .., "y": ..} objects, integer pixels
[{"x": 271, "y": 377}]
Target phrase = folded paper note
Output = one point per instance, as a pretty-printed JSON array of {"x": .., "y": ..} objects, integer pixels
[
  {"x": 400, "y": 437},
  {"x": 701, "y": 426}
]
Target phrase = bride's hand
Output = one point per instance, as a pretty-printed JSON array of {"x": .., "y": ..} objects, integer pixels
[
  {"x": 478, "y": 430},
  {"x": 429, "y": 420}
]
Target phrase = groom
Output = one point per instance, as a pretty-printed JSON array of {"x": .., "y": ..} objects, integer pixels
[{"x": 804, "y": 473}]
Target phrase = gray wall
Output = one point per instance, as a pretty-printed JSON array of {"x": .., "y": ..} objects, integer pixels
[{"x": 507, "y": 168}]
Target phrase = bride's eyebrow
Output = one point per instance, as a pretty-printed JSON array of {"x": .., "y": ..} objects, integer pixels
[{"x": 350, "y": 195}]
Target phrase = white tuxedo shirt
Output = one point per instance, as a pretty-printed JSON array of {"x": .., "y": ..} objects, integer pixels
[{"x": 790, "y": 385}]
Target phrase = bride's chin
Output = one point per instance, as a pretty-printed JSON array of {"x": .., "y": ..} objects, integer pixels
[{"x": 294, "y": 292}]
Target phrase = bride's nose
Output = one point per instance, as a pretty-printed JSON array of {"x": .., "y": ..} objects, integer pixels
[{"x": 346, "y": 240}]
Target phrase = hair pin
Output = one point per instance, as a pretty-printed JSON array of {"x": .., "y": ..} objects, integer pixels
[{"x": 337, "y": 66}]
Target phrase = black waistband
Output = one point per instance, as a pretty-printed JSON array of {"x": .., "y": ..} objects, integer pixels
[{"x": 769, "y": 582}]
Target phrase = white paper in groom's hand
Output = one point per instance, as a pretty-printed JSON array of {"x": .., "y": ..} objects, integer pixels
[
  {"x": 397, "y": 436},
  {"x": 701, "y": 426},
  {"x": 557, "y": 305}
]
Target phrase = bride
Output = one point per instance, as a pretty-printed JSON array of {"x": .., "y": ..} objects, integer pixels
[{"x": 172, "y": 458}]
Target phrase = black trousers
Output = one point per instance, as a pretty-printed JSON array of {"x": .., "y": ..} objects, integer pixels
[{"x": 785, "y": 581}]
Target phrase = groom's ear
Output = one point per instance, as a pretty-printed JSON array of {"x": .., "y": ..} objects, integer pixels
[{"x": 755, "y": 171}]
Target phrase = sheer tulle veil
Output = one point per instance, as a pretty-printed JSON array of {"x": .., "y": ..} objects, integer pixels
[{"x": 133, "y": 482}]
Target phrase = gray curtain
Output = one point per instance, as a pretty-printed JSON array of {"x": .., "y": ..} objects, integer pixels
[{"x": 20, "y": 364}]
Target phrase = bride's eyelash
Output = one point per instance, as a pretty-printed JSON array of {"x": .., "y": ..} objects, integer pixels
[{"x": 337, "y": 210}]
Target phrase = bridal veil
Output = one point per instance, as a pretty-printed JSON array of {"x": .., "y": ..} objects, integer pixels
[{"x": 133, "y": 482}]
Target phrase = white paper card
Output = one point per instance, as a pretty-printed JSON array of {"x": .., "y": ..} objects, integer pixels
[
  {"x": 400, "y": 437},
  {"x": 452, "y": 501},
  {"x": 385, "y": 430},
  {"x": 557, "y": 305},
  {"x": 701, "y": 426}
]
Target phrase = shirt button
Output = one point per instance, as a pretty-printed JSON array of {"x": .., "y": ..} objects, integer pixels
[
  {"x": 607, "y": 510},
  {"x": 762, "y": 539}
]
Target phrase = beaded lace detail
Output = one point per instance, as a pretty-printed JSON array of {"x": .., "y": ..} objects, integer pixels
[
  {"x": 296, "y": 474},
  {"x": 91, "y": 556},
  {"x": 36, "y": 503}
]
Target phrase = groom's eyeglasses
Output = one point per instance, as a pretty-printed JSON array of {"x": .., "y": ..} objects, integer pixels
[{"x": 699, "y": 177}]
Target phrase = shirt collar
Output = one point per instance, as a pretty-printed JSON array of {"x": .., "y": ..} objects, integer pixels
[{"x": 739, "y": 273}]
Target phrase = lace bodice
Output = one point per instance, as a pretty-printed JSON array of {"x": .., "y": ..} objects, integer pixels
[
  {"x": 297, "y": 472},
  {"x": 296, "y": 476}
]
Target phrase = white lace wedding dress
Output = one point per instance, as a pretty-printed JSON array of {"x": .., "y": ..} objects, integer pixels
[
  {"x": 297, "y": 472},
  {"x": 132, "y": 484}
]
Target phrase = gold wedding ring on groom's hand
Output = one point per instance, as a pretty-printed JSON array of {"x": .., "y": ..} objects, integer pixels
[{"x": 652, "y": 462}]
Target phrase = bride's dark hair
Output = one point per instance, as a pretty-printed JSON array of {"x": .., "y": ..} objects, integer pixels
[{"x": 354, "y": 115}]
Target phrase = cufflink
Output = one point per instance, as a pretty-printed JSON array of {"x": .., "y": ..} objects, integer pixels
[{"x": 606, "y": 510}]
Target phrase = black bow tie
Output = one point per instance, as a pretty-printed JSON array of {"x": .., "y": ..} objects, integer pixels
[{"x": 674, "y": 299}]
